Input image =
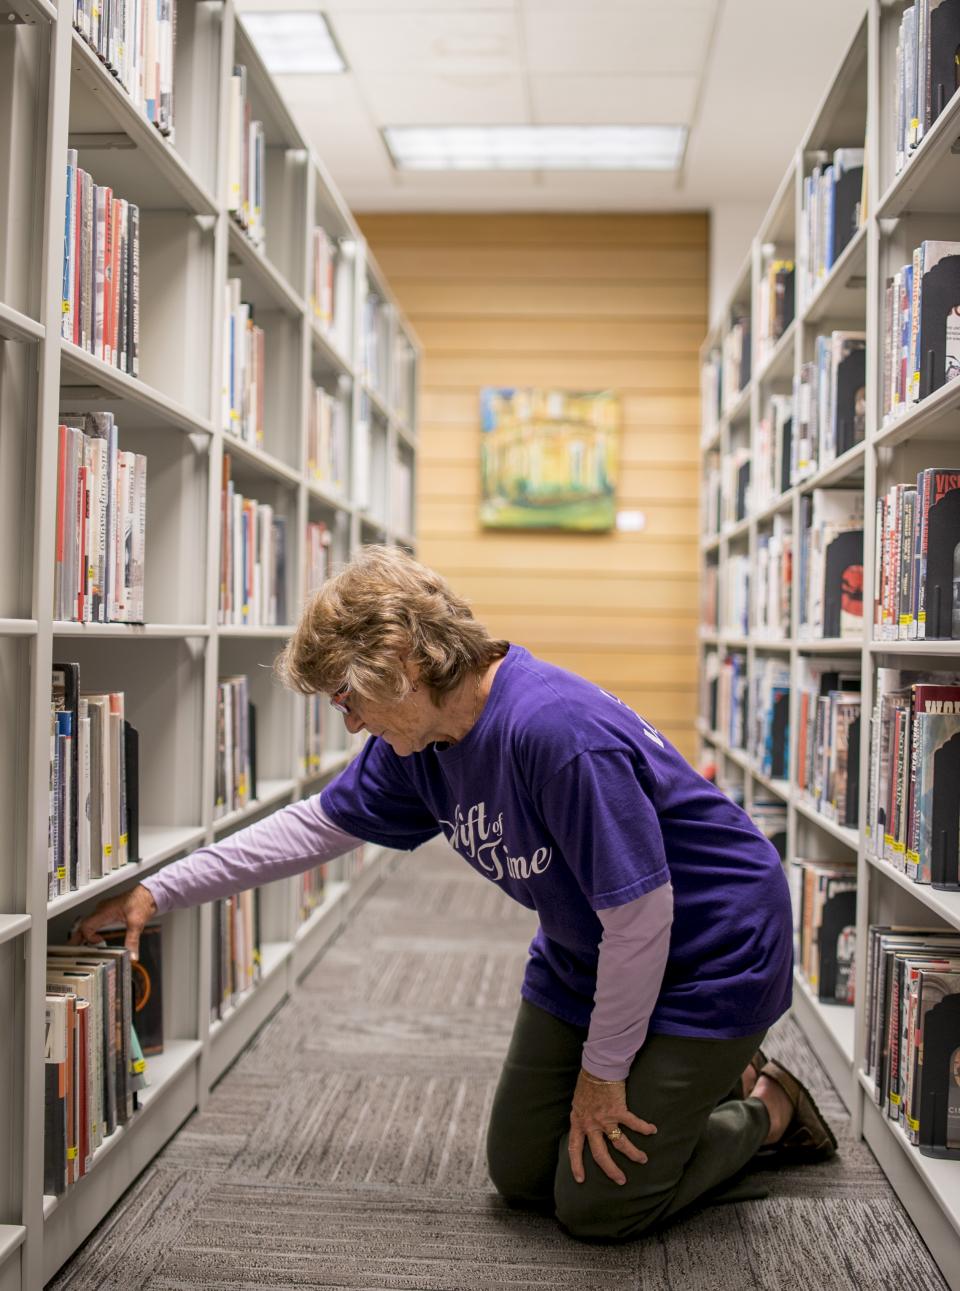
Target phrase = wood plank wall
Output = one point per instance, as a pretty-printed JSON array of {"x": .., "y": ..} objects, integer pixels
[{"x": 582, "y": 302}]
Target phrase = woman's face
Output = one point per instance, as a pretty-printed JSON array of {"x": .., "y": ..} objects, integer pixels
[{"x": 408, "y": 725}]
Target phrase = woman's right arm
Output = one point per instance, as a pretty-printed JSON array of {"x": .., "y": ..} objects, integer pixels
[{"x": 296, "y": 838}]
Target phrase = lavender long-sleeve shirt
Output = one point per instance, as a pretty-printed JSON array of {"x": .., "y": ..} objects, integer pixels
[{"x": 633, "y": 949}]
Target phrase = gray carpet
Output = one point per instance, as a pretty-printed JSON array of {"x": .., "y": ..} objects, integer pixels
[{"x": 345, "y": 1147}]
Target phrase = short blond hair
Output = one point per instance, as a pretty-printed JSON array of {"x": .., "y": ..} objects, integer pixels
[{"x": 381, "y": 610}]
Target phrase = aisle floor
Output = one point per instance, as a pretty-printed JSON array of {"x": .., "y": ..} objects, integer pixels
[{"x": 345, "y": 1147}]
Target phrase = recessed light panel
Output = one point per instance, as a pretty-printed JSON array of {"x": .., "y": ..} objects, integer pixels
[
  {"x": 294, "y": 43},
  {"x": 536, "y": 147}
]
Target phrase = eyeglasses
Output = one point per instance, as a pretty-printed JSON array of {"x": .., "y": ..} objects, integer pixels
[{"x": 338, "y": 701}]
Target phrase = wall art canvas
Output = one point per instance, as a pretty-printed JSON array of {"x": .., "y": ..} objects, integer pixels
[{"x": 548, "y": 459}]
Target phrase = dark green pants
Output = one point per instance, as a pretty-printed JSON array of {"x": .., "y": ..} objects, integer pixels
[{"x": 682, "y": 1085}]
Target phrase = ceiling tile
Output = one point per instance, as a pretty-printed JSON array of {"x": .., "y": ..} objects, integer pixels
[
  {"x": 612, "y": 100},
  {"x": 668, "y": 39},
  {"x": 442, "y": 44},
  {"x": 494, "y": 99}
]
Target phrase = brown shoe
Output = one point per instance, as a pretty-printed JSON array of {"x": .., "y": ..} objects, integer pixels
[
  {"x": 757, "y": 1062},
  {"x": 808, "y": 1137}
]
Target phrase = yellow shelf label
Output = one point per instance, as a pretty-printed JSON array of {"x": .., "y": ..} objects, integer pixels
[
  {"x": 913, "y": 1124},
  {"x": 61, "y": 871},
  {"x": 123, "y": 840},
  {"x": 895, "y": 1099},
  {"x": 138, "y": 1066},
  {"x": 108, "y": 849},
  {"x": 71, "y": 1154}
]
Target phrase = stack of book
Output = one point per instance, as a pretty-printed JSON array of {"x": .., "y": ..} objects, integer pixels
[
  {"x": 773, "y": 457},
  {"x": 831, "y": 563},
  {"x": 921, "y": 332},
  {"x": 708, "y": 597},
  {"x": 317, "y": 562},
  {"x": 246, "y": 161},
  {"x": 94, "y": 785},
  {"x": 735, "y": 473},
  {"x": 235, "y": 769},
  {"x": 736, "y": 594},
  {"x": 101, "y": 524},
  {"x": 775, "y": 305},
  {"x": 712, "y": 497},
  {"x": 774, "y": 581},
  {"x": 312, "y": 890},
  {"x": 253, "y": 559},
  {"x": 828, "y": 743},
  {"x": 101, "y": 271},
  {"x": 770, "y": 737},
  {"x": 736, "y": 360},
  {"x": 824, "y": 898},
  {"x": 315, "y": 712},
  {"x": 917, "y": 571},
  {"x": 830, "y": 399},
  {"x": 710, "y": 395},
  {"x": 912, "y": 817},
  {"x": 324, "y": 279},
  {"x": 373, "y": 340},
  {"x": 328, "y": 438},
  {"x": 834, "y": 208},
  {"x": 244, "y": 368},
  {"x": 136, "y": 42},
  {"x": 926, "y": 71},
  {"x": 236, "y": 962},
  {"x": 913, "y": 1021},
  {"x": 725, "y": 700}
]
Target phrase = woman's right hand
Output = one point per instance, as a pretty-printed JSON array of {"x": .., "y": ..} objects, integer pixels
[{"x": 134, "y": 908}]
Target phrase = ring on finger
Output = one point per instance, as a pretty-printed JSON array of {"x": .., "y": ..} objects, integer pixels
[{"x": 614, "y": 1134}]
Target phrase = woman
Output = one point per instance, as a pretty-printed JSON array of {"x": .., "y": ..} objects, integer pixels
[{"x": 664, "y": 950}]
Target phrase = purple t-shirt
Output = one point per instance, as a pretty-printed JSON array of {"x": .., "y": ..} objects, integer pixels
[{"x": 565, "y": 798}]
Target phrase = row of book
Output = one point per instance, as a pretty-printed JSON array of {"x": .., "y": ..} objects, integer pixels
[
  {"x": 235, "y": 770},
  {"x": 913, "y": 1032},
  {"x": 769, "y": 742},
  {"x": 312, "y": 890},
  {"x": 244, "y": 368},
  {"x": 94, "y": 1054},
  {"x": 328, "y": 440},
  {"x": 773, "y": 464},
  {"x": 710, "y": 596},
  {"x": 833, "y": 209},
  {"x": 917, "y": 566},
  {"x": 315, "y": 712},
  {"x": 776, "y": 304},
  {"x": 101, "y": 271},
  {"x": 829, "y": 403},
  {"x": 711, "y": 395},
  {"x": 253, "y": 559},
  {"x": 912, "y": 819},
  {"x": 136, "y": 40},
  {"x": 774, "y": 581},
  {"x": 824, "y": 900},
  {"x": 318, "y": 555},
  {"x": 725, "y": 697},
  {"x": 926, "y": 71},
  {"x": 246, "y": 161},
  {"x": 828, "y": 742},
  {"x": 735, "y": 594},
  {"x": 101, "y": 524},
  {"x": 323, "y": 285},
  {"x": 736, "y": 360},
  {"x": 374, "y": 330},
  {"x": 921, "y": 330},
  {"x": 830, "y": 569},
  {"x": 94, "y": 784},
  {"x": 236, "y": 964}
]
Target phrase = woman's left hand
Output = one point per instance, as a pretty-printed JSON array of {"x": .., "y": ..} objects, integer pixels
[{"x": 600, "y": 1111}]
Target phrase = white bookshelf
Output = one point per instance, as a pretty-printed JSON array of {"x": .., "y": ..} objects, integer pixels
[
  {"x": 55, "y": 93},
  {"x": 923, "y": 201}
]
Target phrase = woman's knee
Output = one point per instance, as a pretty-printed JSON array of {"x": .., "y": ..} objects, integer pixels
[
  {"x": 597, "y": 1214},
  {"x": 516, "y": 1176}
]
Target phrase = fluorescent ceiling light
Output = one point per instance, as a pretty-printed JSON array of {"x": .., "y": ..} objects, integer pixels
[
  {"x": 536, "y": 147},
  {"x": 294, "y": 43}
]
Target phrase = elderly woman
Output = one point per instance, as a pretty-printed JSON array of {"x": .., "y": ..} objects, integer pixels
[{"x": 664, "y": 950}]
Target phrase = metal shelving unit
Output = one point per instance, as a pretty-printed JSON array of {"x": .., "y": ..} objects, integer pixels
[
  {"x": 168, "y": 667},
  {"x": 856, "y": 106}
]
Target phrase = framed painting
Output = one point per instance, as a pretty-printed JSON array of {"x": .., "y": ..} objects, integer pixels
[{"x": 548, "y": 459}]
